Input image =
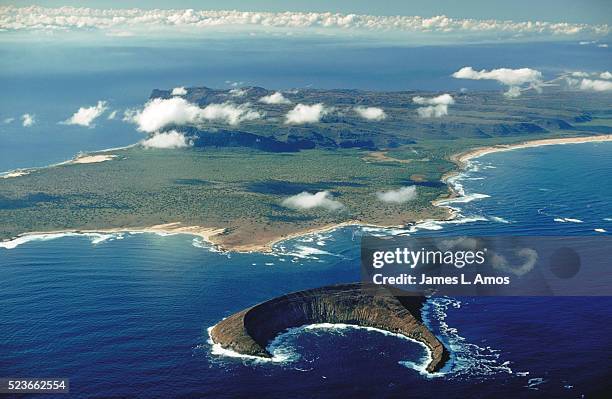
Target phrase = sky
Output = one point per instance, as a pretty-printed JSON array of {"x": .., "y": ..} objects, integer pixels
[
  {"x": 69, "y": 75},
  {"x": 407, "y": 23},
  {"x": 585, "y": 11}
]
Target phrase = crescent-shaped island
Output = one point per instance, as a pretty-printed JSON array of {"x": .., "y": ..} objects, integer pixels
[{"x": 249, "y": 331}]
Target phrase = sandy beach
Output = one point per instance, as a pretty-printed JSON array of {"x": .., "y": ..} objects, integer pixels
[
  {"x": 78, "y": 160},
  {"x": 92, "y": 159},
  {"x": 464, "y": 157},
  {"x": 15, "y": 173},
  {"x": 267, "y": 247}
]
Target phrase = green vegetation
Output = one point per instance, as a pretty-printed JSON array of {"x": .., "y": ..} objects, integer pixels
[
  {"x": 238, "y": 189},
  {"x": 241, "y": 189}
]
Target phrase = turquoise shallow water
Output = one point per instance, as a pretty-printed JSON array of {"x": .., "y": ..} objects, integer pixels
[{"x": 127, "y": 315}]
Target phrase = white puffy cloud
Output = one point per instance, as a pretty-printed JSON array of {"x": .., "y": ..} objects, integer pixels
[
  {"x": 443, "y": 99},
  {"x": 28, "y": 120},
  {"x": 433, "y": 111},
  {"x": 112, "y": 115},
  {"x": 603, "y": 45},
  {"x": 398, "y": 196},
  {"x": 237, "y": 92},
  {"x": 371, "y": 113},
  {"x": 276, "y": 98},
  {"x": 305, "y": 200},
  {"x": 580, "y": 74},
  {"x": 86, "y": 115},
  {"x": 506, "y": 76},
  {"x": 230, "y": 113},
  {"x": 588, "y": 81},
  {"x": 127, "y": 20},
  {"x": 589, "y": 84},
  {"x": 436, "y": 107},
  {"x": 161, "y": 112},
  {"x": 513, "y": 92},
  {"x": 303, "y": 113},
  {"x": 171, "y": 139},
  {"x": 179, "y": 91}
]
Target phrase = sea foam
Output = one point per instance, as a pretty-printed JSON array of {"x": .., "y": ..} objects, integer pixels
[{"x": 95, "y": 238}]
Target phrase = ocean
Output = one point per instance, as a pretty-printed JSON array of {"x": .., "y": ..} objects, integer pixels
[
  {"x": 51, "y": 78},
  {"x": 128, "y": 314}
]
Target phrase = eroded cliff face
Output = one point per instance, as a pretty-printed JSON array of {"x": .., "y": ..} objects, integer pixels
[{"x": 250, "y": 331}]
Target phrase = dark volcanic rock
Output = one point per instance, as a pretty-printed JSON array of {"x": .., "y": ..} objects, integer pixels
[{"x": 249, "y": 331}]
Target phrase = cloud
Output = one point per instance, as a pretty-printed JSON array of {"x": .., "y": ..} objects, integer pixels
[
  {"x": 305, "y": 200},
  {"x": 303, "y": 113},
  {"x": 8, "y": 120},
  {"x": 605, "y": 75},
  {"x": 179, "y": 91},
  {"x": 443, "y": 99},
  {"x": 513, "y": 92},
  {"x": 593, "y": 42},
  {"x": 437, "y": 107},
  {"x": 28, "y": 120},
  {"x": 276, "y": 98},
  {"x": 112, "y": 115},
  {"x": 580, "y": 74},
  {"x": 233, "y": 83},
  {"x": 237, "y": 92},
  {"x": 433, "y": 111},
  {"x": 589, "y": 84},
  {"x": 159, "y": 113},
  {"x": 128, "y": 20},
  {"x": 230, "y": 113},
  {"x": 162, "y": 112},
  {"x": 86, "y": 115},
  {"x": 171, "y": 139},
  {"x": 506, "y": 76},
  {"x": 398, "y": 196},
  {"x": 371, "y": 113}
]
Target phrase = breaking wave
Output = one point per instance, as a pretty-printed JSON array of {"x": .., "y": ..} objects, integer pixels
[
  {"x": 95, "y": 238},
  {"x": 468, "y": 360},
  {"x": 284, "y": 353}
]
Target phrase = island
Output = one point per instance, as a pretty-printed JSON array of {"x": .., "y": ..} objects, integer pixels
[
  {"x": 249, "y": 331},
  {"x": 232, "y": 183}
]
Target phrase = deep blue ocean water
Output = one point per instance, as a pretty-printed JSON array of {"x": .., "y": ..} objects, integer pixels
[{"x": 127, "y": 315}]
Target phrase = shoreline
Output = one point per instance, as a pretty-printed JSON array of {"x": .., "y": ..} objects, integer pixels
[
  {"x": 461, "y": 159},
  {"x": 80, "y": 158}
]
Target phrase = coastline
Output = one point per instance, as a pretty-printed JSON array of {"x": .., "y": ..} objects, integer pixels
[
  {"x": 463, "y": 158},
  {"x": 208, "y": 234},
  {"x": 80, "y": 158}
]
